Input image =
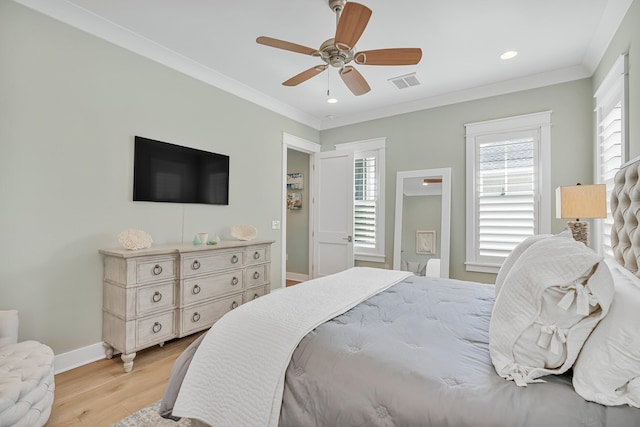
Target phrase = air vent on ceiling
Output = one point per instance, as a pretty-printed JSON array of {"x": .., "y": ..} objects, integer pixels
[{"x": 403, "y": 82}]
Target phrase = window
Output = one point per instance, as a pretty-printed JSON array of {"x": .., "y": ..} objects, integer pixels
[
  {"x": 365, "y": 198},
  {"x": 610, "y": 143},
  {"x": 508, "y": 199},
  {"x": 368, "y": 204}
]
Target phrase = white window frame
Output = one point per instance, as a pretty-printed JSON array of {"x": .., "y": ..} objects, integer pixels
[
  {"x": 372, "y": 146},
  {"x": 612, "y": 90},
  {"x": 540, "y": 122}
]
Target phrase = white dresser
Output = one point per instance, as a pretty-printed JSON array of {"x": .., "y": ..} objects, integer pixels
[{"x": 153, "y": 295}]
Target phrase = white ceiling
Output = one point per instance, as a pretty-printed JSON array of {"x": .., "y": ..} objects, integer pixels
[{"x": 461, "y": 40}]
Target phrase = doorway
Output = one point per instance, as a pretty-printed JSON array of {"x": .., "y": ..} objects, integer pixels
[
  {"x": 298, "y": 208},
  {"x": 298, "y": 157}
]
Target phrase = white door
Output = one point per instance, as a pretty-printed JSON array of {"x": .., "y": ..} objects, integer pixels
[{"x": 333, "y": 240}]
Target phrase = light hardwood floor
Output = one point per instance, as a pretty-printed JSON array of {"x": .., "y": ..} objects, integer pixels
[{"x": 101, "y": 393}]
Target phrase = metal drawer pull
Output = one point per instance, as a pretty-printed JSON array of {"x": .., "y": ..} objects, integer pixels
[
  {"x": 157, "y": 296},
  {"x": 256, "y": 296},
  {"x": 234, "y": 281},
  {"x": 234, "y": 259},
  {"x": 256, "y": 255},
  {"x": 195, "y": 265},
  {"x": 195, "y": 317},
  {"x": 157, "y": 327},
  {"x": 157, "y": 270},
  {"x": 196, "y": 290},
  {"x": 256, "y": 275},
  {"x": 234, "y": 305}
]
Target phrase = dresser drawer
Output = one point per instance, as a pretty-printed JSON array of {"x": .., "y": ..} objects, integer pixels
[
  {"x": 255, "y": 255},
  {"x": 254, "y": 293},
  {"x": 201, "y": 264},
  {"x": 156, "y": 297},
  {"x": 155, "y": 329},
  {"x": 257, "y": 275},
  {"x": 204, "y": 315},
  {"x": 155, "y": 269},
  {"x": 204, "y": 287}
]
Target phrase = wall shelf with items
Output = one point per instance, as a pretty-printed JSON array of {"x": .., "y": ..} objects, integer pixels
[{"x": 153, "y": 295}]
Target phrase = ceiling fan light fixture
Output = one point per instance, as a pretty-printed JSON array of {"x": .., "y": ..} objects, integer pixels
[
  {"x": 509, "y": 54},
  {"x": 351, "y": 20}
]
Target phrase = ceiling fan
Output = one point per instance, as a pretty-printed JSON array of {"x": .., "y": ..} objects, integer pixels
[{"x": 351, "y": 20}]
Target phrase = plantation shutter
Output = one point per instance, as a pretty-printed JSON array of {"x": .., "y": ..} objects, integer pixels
[
  {"x": 366, "y": 196},
  {"x": 610, "y": 142},
  {"x": 610, "y": 160},
  {"x": 506, "y": 191}
]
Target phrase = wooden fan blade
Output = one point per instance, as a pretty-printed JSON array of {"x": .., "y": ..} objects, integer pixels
[
  {"x": 354, "y": 80},
  {"x": 305, "y": 75},
  {"x": 281, "y": 44},
  {"x": 402, "y": 56},
  {"x": 353, "y": 21}
]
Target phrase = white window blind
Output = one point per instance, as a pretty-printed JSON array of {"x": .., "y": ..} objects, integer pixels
[
  {"x": 505, "y": 193},
  {"x": 508, "y": 181},
  {"x": 610, "y": 143},
  {"x": 365, "y": 200}
]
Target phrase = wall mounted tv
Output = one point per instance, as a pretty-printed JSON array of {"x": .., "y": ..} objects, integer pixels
[{"x": 165, "y": 172}]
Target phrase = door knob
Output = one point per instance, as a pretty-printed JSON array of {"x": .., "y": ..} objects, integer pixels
[{"x": 348, "y": 238}]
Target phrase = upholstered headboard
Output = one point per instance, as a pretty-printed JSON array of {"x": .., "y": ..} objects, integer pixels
[{"x": 625, "y": 206}]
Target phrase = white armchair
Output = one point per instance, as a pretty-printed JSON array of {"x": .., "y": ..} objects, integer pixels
[{"x": 26, "y": 377}]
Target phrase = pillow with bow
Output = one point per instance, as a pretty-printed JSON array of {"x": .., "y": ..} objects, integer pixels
[{"x": 553, "y": 297}]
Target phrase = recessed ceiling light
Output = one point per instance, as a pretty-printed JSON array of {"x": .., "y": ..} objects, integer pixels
[
  {"x": 332, "y": 100},
  {"x": 508, "y": 54}
]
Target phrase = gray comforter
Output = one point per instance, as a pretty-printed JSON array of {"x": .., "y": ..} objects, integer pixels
[{"x": 418, "y": 355}]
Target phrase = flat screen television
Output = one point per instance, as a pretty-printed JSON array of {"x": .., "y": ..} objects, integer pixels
[{"x": 164, "y": 172}]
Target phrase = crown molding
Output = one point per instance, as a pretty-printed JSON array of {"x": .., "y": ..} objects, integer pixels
[
  {"x": 84, "y": 20},
  {"x": 614, "y": 13},
  {"x": 87, "y": 21},
  {"x": 501, "y": 88}
]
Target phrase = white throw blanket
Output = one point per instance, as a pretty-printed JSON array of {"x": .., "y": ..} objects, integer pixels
[{"x": 236, "y": 377}]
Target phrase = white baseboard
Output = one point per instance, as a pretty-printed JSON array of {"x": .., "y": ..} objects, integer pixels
[
  {"x": 79, "y": 357},
  {"x": 297, "y": 277}
]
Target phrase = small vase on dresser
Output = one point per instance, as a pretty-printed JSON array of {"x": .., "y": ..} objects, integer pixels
[{"x": 153, "y": 295}]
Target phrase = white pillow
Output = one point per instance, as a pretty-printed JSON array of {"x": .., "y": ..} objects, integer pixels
[
  {"x": 513, "y": 256},
  {"x": 607, "y": 370},
  {"x": 8, "y": 327},
  {"x": 552, "y": 298}
]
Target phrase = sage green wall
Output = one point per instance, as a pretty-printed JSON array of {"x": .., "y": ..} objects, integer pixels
[
  {"x": 70, "y": 105},
  {"x": 420, "y": 213},
  {"x": 626, "y": 40},
  {"x": 298, "y": 219},
  {"x": 435, "y": 138}
]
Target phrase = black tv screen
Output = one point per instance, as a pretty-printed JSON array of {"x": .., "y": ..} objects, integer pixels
[{"x": 165, "y": 172}]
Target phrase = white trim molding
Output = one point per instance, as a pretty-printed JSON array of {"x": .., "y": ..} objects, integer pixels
[
  {"x": 78, "y": 357},
  {"x": 536, "y": 126},
  {"x": 296, "y": 143}
]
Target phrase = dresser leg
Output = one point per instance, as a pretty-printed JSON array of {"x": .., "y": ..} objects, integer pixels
[
  {"x": 127, "y": 360},
  {"x": 108, "y": 350}
]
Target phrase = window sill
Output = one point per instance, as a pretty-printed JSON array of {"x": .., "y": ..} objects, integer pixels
[
  {"x": 370, "y": 258},
  {"x": 482, "y": 268}
]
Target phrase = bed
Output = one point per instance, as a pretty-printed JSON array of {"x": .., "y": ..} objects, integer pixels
[{"x": 390, "y": 348}]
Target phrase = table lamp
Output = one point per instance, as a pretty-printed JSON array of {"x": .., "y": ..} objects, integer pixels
[{"x": 581, "y": 201}]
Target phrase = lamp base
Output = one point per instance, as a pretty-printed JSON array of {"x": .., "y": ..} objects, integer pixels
[{"x": 580, "y": 230}]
